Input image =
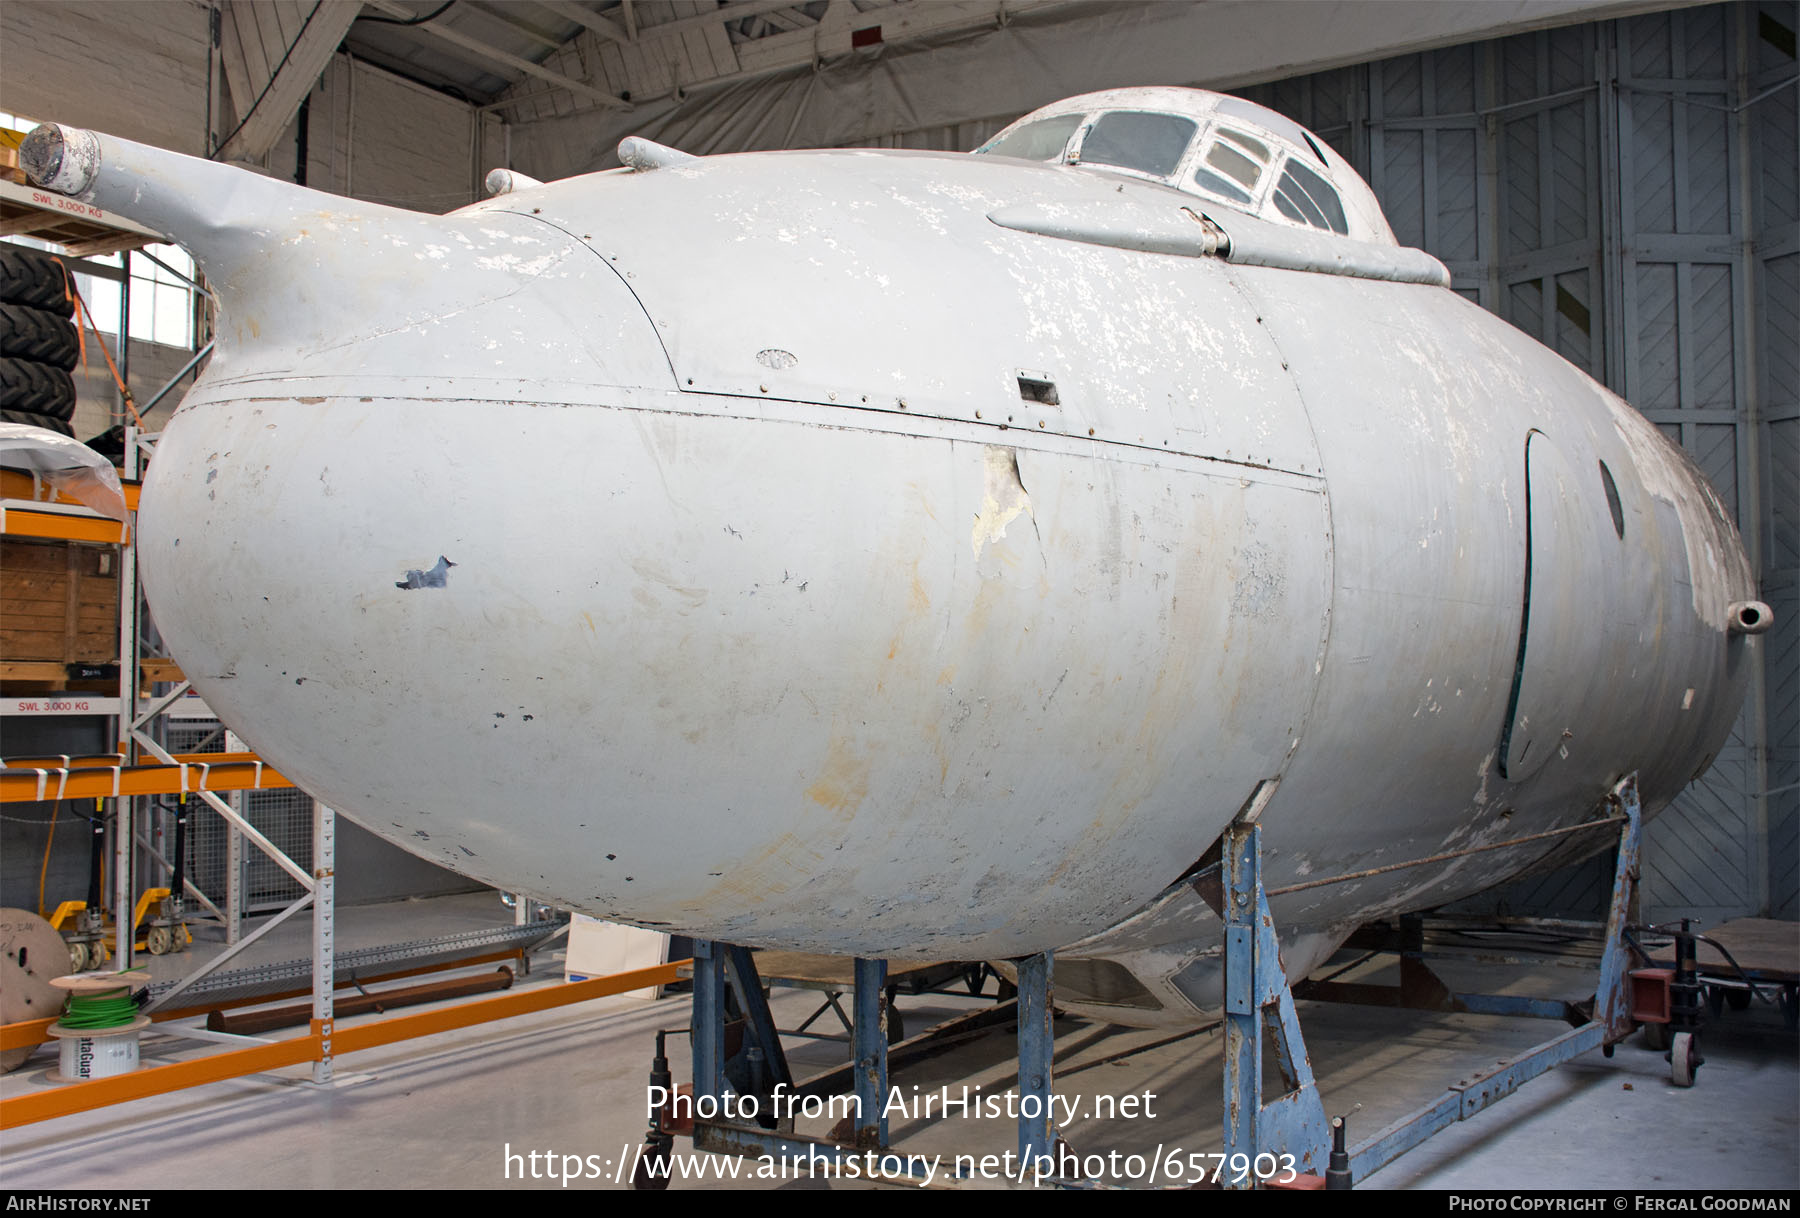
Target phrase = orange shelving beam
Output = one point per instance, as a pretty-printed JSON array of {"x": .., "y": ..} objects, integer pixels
[
  {"x": 33, "y": 779},
  {"x": 16, "y": 484},
  {"x": 59, "y": 526},
  {"x": 233, "y": 1063},
  {"x": 18, "y": 518}
]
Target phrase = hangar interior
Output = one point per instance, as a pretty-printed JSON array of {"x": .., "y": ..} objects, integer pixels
[{"x": 1619, "y": 179}]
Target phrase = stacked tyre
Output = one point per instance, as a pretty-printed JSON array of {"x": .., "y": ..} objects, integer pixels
[{"x": 38, "y": 341}]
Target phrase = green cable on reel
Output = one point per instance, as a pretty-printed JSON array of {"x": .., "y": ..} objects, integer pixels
[{"x": 99, "y": 1012}]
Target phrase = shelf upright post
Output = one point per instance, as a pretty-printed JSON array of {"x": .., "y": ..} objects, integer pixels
[
  {"x": 324, "y": 905},
  {"x": 235, "y": 862},
  {"x": 124, "y": 840}
]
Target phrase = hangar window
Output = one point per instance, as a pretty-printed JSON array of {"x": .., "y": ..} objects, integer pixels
[
  {"x": 1043, "y": 140},
  {"x": 1139, "y": 140},
  {"x": 1306, "y": 198}
]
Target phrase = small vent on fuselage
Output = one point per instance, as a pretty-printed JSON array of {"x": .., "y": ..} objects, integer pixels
[{"x": 1040, "y": 390}]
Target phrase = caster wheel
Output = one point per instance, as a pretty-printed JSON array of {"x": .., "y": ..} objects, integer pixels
[
  {"x": 1684, "y": 1059},
  {"x": 160, "y": 940},
  {"x": 78, "y": 958},
  {"x": 896, "y": 1026},
  {"x": 1738, "y": 1000},
  {"x": 1606, "y": 1050},
  {"x": 652, "y": 1172},
  {"x": 1656, "y": 1037}
]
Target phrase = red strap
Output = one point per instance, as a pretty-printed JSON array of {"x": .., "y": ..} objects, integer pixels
[{"x": 82, "y": 314}]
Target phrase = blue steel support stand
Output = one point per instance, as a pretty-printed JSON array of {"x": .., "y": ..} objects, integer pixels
[
  {"x": 1609, "y": 1018},
  {"x": 1037, "y": 1135},
  {"x": 708, "y": 1019},
  {"x": 717, "y": 963},
  {"x": 765, "y": 1062},
  {"x": 1612, "y": 996},
  {"x": 869, "y": 1045},
  {"x": 1257, "y": 995}
]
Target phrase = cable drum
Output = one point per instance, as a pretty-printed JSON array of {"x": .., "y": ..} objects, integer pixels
[
  {"x": 32, "y": 955},
  {"x": 100, "y": 1012},
  {"x": 100, "y": 1025}
]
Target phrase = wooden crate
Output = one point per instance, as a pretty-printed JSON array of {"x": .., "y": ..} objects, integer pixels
[{"x": 59, "y": 602}]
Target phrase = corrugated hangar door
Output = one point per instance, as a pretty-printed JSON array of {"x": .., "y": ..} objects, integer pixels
[
  {"x": 1774, "y": 186},
  {"x": 1685, "y": 364},
  {"x": 1626, "y": 192}
]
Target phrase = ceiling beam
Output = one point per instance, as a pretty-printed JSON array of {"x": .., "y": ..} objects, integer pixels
[
  {"x": 582, "y": 15},
  {"x": 730, "y": 12},
  {"x": 484, "y": 51},
  {"x": 548, "y": 42},
  {"x": 899, "y": 23},
  {"x": 784, "y": 22},
  {"x": 825, "y": 39},
  {"x": 267, "y": 86}
]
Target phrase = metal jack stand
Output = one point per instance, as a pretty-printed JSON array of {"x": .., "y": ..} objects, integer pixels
[
  {"x": 744, "y": 1098},
  {"x": 1288, "y": 1134},
  {"x": 1601, "y": 1023},
  {"x": 1257, "y": 996}
]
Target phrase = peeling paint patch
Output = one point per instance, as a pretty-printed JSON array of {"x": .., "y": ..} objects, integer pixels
[
  {"x": 1003, "y": 501},
  {"x": 436, "y": 577}
]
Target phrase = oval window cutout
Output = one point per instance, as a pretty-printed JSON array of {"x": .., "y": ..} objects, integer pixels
[{"x": 1612, "y": 500}]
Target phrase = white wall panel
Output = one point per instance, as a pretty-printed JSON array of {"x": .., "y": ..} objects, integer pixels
[
  {"x": 134, "y": 69},
  {"x": 376, "y": 136}
]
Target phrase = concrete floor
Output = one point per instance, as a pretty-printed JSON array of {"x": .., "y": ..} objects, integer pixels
[{"x": 445, "y": 1111}]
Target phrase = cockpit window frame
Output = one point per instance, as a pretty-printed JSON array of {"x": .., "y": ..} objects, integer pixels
[
  {"x": 1331, "y": 219},
  {"x": 1239, "y": 143},
  {"x": 1061, "y": 158},
  {"x": 1262, "y": 201},
  {"x": 1073, "y": 154},
  {"x": 1234, "y": 130}
]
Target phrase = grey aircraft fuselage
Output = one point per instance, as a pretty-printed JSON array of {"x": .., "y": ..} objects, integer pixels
[{"x": 915, "y": 554}]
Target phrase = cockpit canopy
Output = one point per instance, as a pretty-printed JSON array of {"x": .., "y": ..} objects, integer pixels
[{"x": 1224, "y": 149}]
